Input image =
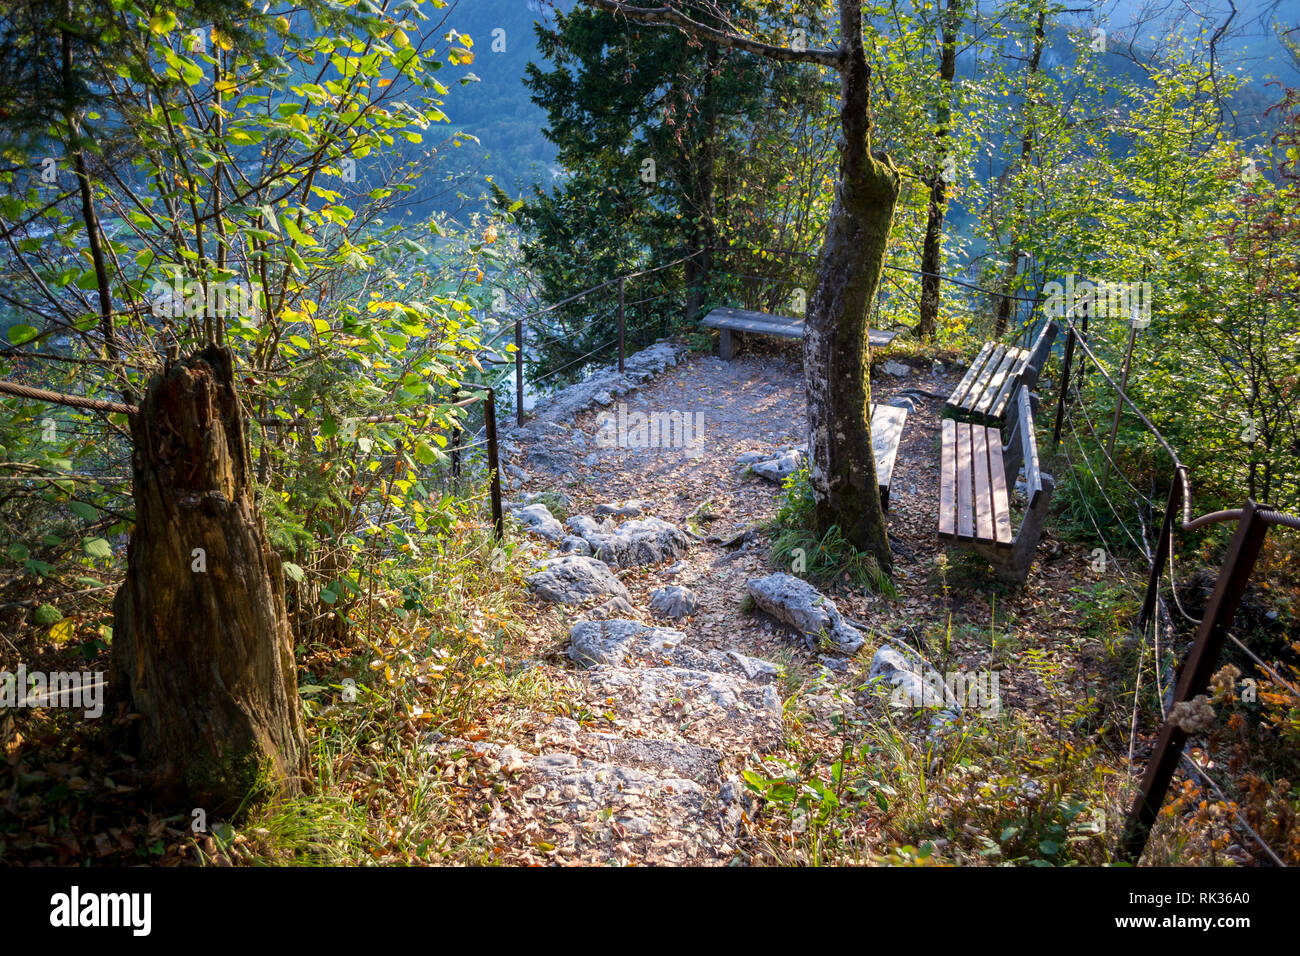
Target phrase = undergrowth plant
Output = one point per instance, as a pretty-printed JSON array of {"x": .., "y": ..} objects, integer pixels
[{"x": 825, "y": 558}]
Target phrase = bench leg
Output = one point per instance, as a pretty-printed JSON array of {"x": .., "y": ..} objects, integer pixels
[
  {"x": 726, "y": 346},
  {"x": 1012, "y": 565}
]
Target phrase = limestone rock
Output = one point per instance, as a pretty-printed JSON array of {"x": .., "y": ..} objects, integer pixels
[
  {"x": 614, "y": 607},
  {"x": 610, "y": 642},
  {"x": 574, "y": 579},
  {"x": 539, "y": 520},
  {"x": 914, "y": 682},
  {"x": 776, "y": 468},
  {"x": 803, "y": 607},
  {"x": 674, "y": 601},
  {"x": 572, "y": 544},
  {"x": 632, "y": 508},
  {"x": 632, "y": 544}
]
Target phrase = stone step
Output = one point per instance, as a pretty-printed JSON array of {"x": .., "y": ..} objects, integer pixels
[
  {"x": 660, "y": 757},
  {"x": 678, "y": 703}
]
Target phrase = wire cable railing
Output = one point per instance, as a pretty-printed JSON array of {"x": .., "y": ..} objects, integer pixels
[{"x": 1213, "y": 627}]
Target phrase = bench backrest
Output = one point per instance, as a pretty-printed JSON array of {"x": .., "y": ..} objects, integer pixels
[
  {"x": 1039, "y": 352},
  {"x": 1029, "y": 446}
]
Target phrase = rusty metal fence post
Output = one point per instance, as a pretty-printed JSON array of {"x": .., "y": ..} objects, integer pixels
[
  {"x": 1163, "y": 546},
  {"x": 455, "y": 450},
  {"x": 494, "y": 468},
  {"x": 1195, "y": 677},
  {"x": 1065, "y": 387},
  {"x": 519, "y": 372},
  {"x": 621, "y": 349}
]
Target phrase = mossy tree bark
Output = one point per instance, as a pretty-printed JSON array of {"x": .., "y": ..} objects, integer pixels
[
  {"x": 201, "y": 642},
  {"x": 836, "y": 352},
  {"x": 835, "y": 348}
]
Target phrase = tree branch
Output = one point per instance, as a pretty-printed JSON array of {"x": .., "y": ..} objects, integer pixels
[{"x": 671, "y": 16}]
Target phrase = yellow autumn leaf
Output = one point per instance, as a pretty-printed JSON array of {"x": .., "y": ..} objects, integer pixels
[{"x": 61, "y": 631}]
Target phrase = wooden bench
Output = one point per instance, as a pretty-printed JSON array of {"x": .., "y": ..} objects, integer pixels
[
  {"x": 728, "y": 321},
  {"x": 975, "y": 476},
  {"x": 886, "y": 435},
  {"x": 986, "y": 391}
]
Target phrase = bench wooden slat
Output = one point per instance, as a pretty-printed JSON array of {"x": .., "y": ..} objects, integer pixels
[
  {"x": 886, "y": 435},
  {"x": 1011, "y": 365},
  {"x": 1033, "y": 476},
  {"x": 948, "y": 481},
  {"x": 786, "y": 326},
  {"x": 998, "y": 483},
  {"x": 972, "y": 373},
  {"x": 965, "y": 516},
  {"x": 986, "y": 374},
  {"x": 982, "y": 498}
]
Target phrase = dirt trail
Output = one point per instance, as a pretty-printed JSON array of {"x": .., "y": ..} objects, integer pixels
[{"x": 643, "y": 763}]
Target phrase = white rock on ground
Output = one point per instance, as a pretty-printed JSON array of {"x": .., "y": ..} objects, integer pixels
[
  {"x": 632, "y": 508},
  {"x": 574, "y": 579},
  {"x": 807, "y": 610},
  {"x": 674, "y": 602},
  {"x": 633, "y": 543},
  {"x": 776, "y": 468},
  {"x": 572, "y": 544},
  {"x": 913, "y": 682},
  {"x": 609, "y": 642},
  {"x": 539, "y": 520}
]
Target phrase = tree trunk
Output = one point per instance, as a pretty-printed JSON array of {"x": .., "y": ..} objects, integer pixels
[
  {"x": 706, "y": 236},
  {"x": 931, "y": 250},
  {"x": 836, "y": 352},
  {"x": 201, "y": 642},
  {"x": 1026, "y": 147}
]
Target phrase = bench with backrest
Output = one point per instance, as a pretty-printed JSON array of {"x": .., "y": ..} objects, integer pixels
[
  {"x": 986, "y": 392},
  {"x": 976, "y": 475},
  {"x": 730, "y": 321}
]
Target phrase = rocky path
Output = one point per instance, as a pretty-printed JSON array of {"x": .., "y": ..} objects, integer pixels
[{"x": 649, "y": 544}]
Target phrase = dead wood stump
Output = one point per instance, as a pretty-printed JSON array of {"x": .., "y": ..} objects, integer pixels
[{"x": 201, "y": 648}]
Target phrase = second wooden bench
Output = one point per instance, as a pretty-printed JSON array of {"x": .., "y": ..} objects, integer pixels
[
  {"x": 976, "y": 474},
  {"x": 985, "y": 393}
]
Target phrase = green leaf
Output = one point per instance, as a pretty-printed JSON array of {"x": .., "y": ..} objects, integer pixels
[
  {"x": 425, "y": 453},
  {"x": 83, "y": 510},
  {"x": 97, "y": 548},
  {"x": 163, "y": 21},
  {"x": 294, "y": 572},
  {"x": 22, "y": 334},
  {"x": 47, "y": 614}
]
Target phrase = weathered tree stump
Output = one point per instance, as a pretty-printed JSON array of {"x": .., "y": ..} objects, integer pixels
[{"x": 201, "y": 642}]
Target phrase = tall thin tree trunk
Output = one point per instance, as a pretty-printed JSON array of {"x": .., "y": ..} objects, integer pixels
[
  {"x": 201, "y": 643},
  {"x": 931, "y": 250},
  {"x": 1026, "y": 147},
  {"x": 90, "y": 218},
  {"x": 836, "y": 352},
  {"x": 697, "y": 269}
]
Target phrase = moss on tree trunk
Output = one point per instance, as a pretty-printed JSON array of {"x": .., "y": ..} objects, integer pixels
[{"x": 837, "y": 355}]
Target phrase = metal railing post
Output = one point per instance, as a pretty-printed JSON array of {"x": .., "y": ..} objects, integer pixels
[
  {"x": 1065, "y": 386},
  {"x": 1163, "y": 547},
  {"x": 621, "y": 350},
  {"x": 494, "y": 468},
  {"x": 1195, "y": 677},
  {"x": 519, "y": 371}
]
